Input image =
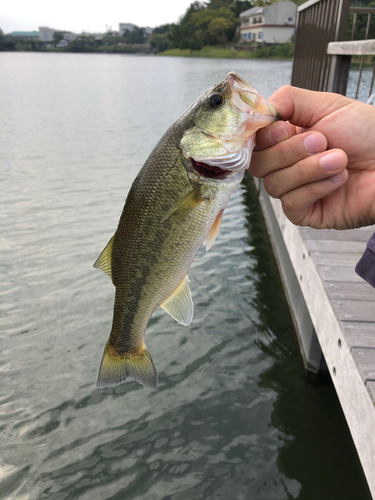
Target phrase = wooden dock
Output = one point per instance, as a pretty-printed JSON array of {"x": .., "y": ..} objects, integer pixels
[{"x": 334, "y": 314}]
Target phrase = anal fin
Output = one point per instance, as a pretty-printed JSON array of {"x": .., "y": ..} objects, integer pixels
[
  {"x": 214, "y": 231},
  {"x": 180, "y": 304},
  {"x": 104, "y": 261}
]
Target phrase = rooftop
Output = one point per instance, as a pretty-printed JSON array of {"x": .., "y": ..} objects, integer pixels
[
  {"x": 24, "y": 33},
  {"x": 252, "y": 11}
]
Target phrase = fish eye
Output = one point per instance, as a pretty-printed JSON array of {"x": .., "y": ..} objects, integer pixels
[{"x": 216, "y": 100}]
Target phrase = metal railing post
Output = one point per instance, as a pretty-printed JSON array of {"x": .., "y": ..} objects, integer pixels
[{"x": 339, "y": 70}]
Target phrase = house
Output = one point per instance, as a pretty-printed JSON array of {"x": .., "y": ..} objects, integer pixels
[
  {"x": 26, "y": 36},
  {"x": 62, "y": 43},
  {"x": 271, "y": 24}
]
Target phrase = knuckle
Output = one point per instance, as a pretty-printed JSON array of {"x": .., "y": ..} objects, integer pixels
[
  {"x": 271, "y": 185},
  {"x": 283, "y": 153},
  {"x": 288, "y": 203},
  {"x": 285, "y": 89},
  {"x": 301, "y": 174}
]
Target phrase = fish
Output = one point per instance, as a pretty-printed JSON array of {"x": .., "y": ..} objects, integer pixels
[{"x": 174, "y": 206}]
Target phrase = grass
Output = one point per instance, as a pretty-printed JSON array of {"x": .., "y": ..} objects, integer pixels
[{"x": 279, "y": 51}]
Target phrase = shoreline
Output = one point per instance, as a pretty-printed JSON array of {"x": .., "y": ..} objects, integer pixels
[{"x": 279, "y": 52}]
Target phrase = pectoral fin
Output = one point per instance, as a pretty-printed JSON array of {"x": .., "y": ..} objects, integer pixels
[
  {"x": 214, "y": 231},
  {"x": 186, "y": 205},
  {"x": 180, "y": 305},
  {"x": 104, "y": 261}
]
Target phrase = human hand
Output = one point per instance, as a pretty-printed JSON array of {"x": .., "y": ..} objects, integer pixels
[{"x": 321, "y": 163}]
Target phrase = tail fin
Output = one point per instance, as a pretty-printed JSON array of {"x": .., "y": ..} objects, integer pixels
[{"x": 114, "y": 369}]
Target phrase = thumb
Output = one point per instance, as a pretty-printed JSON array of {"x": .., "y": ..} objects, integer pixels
[{"x": 304, "y": 108}]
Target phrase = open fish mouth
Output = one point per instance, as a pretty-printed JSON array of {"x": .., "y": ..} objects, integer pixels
[
  {"x": 209, "y": 171},
  {"x": 221, "y": 167}
]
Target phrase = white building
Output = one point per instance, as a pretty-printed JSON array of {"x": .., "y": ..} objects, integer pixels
[
  {"x": 46, "y": 34},
  {"x": 272, "y": 24},
  {"x": 129, "y": 26},
  {"x": 122, "y": 27},
  {"x": 69, "y": 37},
  {"x": 62, "y": 43}
]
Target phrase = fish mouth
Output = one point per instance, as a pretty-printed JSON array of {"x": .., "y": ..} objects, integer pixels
[{"x": 208, "y": 171}]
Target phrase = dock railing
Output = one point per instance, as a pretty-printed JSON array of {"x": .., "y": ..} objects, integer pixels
[{"x": 323, "y": 52}]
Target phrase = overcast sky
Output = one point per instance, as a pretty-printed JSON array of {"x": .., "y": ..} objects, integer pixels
[{"x": 86, "y": 15}]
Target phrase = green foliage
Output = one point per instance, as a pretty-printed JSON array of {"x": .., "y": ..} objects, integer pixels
[
  {"x": 137, "y": 35},
  {"x": 159, "y": 42},
  {"x": 83, "y": 43},
  {"x": 202, "y": 26},
  {"x": 176, "y": 53},
  {"x": 216, "y": 52},
  {"x": 9, "y": 43},
  {"x": 279, "y": 51},
  {"x": 239, "y": 6},
  {"x": 162, "y": 30},
  {"x": 58, "y": 36},
  {"x": 25, "y": 45},
  {"x": 360, "y": 26},
  {"x": 236, "y": 6},
  {"x": 112, "y": 40},
  {"x": 117, "y": 49}
]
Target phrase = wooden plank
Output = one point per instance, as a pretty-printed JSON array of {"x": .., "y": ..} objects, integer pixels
[
  {"x": 354, "y": 291},
  {"x": 358, "y": 48},
  {"x": 362, "y": 234},
  {"x": 332, "y": 245},
  {"x": 365, "y": 361},
  {"x": 334, "y": 258},
  {"x": 354, "y": 310},
  {"x": 339, "y": 273},
  {"x": 359, "y": 334},
  {"x": 371, "y": 389}
]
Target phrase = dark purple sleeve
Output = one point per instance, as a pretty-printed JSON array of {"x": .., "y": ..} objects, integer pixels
[{"x": 365, "y": 267}]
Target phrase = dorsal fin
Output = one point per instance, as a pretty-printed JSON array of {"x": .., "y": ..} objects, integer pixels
[
  {"x": 104, "y": 261},
  {"x": 214, "y": 231},
  {"x": 180, "y": 305}
]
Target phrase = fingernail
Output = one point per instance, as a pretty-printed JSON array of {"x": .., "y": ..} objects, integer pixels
[
  {"x": 338, "y": 177},
  {"x": 331, "y": 161},
  {"x": 277, "y": 134},
  {"x": 314, "y": 143}
]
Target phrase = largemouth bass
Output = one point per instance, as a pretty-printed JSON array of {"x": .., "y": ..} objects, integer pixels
[{"x": 175, "y": 204}]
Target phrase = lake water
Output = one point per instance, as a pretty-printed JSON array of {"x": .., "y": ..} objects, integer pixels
[{"x": 235, "y": 416}]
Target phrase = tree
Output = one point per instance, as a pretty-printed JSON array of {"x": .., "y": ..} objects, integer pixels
[
  {"x": 361, "y": 23},
  {"x": 137, "y": 35},
  {"x": 204, "y": 26},
  {"x": 162, "y": 29},
  {"x": 236, "y": 6},
  {"x": 159, "y": 42},
  {"x": 84, "y": 43},
  {"x": 58, "y": 36},
  {"x": 7, "y": 42}
]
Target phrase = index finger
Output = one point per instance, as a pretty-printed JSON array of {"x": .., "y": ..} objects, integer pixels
[{"x": 273, "y": 134}]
